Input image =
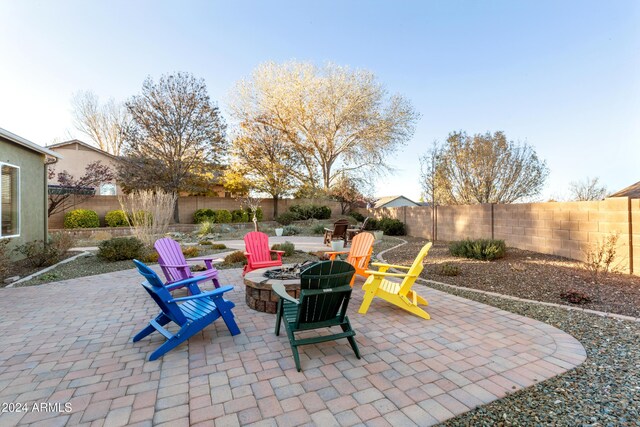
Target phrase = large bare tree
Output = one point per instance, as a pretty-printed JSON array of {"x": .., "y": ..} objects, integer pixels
[
  {"x": 103, "y": 123},
  {"x": 339, "y": 121},
  {"x": 484, "y": 168},
  {"x": 176, "y": 138},
  {"x": 588, "y": 189},
  {"x": 264, "y": 161}
]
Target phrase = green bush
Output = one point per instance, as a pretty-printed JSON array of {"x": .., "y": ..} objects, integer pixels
[
  {"x": 141, "y": 217},
  {"x": 483, "y": 249},
  {"x": 39, "y": 254},
  {"x": 291, "y": 230},
  {"x": 207, "y": 227},
  {"x": 391, "y": 227},
  {"x": 218, "y": 246},
  {"x": 239, "y": 215},
  {"x": 372, "y": 224},
  {"x": 116, "y": 219},
  {"x": 121, "y": 248},
  {"x": 319, "y": 228},
  {"x": 357, "y": 215},
  {"x": 81, "y": 218},
  {"x": 303, "y": 212},
  {"x": 288, "y": 248},
  {"x": 190, "y": 251},
  {"x": 258, "y": 214},
  {"x": 203, "y": 215},
  {"x": 286, "y": 218},
  {"x": 448, "y": 270},
  {"x": 223, "y": 216},
  {"x": 235, "y": 257}
]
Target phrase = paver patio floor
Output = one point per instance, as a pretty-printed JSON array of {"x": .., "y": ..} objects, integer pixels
[{"x": 70, "y": 342}]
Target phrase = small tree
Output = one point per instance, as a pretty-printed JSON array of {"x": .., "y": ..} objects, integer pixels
[
  {"x": 253, "y": 203},
  {"x": 486, "y": 168},
  {"x": 431, "y": 181},
  {"x": 346, "y": 192},
  {"x": 176, "y": 138},
  {"x": 69, "y": 191},
  {"x": 588, "y": 189}
]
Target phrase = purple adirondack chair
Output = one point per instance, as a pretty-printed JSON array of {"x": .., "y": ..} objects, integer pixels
[{"x": 175, "y": 267}]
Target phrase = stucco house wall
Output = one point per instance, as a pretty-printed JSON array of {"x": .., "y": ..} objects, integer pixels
[{"x": 32, "y": 190}]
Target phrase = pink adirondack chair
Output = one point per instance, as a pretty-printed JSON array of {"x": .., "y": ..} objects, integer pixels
[
  {"x": 175, "y": 267},
  {"x": 258, "y": 253}
]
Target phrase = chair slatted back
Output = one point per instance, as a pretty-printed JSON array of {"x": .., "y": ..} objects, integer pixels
[
  {"x": 415, "y": 270},
  {"x": 170, "y": 253},
  {"x": 340, "y": 229},
  {"x": 257, "y": 244},
  {"x": 160, "y": 294},
  {"x": 334, "y": 278},
  {"x": 361, "y": 246}
]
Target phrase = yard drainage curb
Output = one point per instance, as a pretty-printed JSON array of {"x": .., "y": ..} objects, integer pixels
[
  {"x": 511, "y": 297},
  {"x": 38, "y": 273}
]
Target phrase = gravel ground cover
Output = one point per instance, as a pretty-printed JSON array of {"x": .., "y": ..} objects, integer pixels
[
  {"x": 603, "y": 391},
  {"x": 528, "y": 275}
]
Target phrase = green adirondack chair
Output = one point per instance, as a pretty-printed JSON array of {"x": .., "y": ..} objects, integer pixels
[{"x": 324, "y": 297}]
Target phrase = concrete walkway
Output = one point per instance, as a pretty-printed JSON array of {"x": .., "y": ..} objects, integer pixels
[
  {"x": 70, "y": 342},
  {"x": 302, "y": 243}
]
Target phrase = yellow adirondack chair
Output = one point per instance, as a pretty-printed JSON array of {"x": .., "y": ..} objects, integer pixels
[
  {"x": 396, "y": 293},
  {"x": 359, "y": 255}
]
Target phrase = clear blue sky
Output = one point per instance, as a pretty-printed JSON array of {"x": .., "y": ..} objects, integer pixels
[{"x": 562, "y": 75}]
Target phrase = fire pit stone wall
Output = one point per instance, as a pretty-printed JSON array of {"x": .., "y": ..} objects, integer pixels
[{"x": 259, "y": 294}]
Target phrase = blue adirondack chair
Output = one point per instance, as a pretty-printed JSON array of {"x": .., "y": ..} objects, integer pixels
[{"x": 193, "y": 314}]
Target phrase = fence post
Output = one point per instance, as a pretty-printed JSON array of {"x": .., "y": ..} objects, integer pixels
[
  {"x": 492, "y": 222},
  {"x": 630, "y": 221}
]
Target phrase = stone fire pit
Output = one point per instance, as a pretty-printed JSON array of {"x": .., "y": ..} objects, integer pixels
[{"x": 259, "y": 294}]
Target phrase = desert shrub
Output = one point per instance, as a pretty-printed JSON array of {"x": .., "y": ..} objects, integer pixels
[
  {"x": 482, "y": 249},
  {"x": 121, "y": 248},
  {"x": 601, "y": 254},
  {"x": 288, "y": 248},
  {"x": 205, "y": 243},
  {"x": 150, "y": 213},
  {"x": 223, "y": 216},
  {"x": 190, "y": 251},
  {"x": 310, "y": 211},
  {"x": 575, "y": 297},
  {"x": 203, "y": 215},
  {"x": 150, "y": 257},
  {"x": 448, "y": 270},
  {"x": 116, "y": 218},
  {"x": 318, "y": 228},
  {"x": 291, "y": 230},
  {"x": 141, "y": 217},
  {"x": 81, "y": 218},
  {"x": 207, "y": 227},
  {"x": 4, "y": 258},
  {"x": 391, "y": 227},
  {"x": 372, "y": 224},
  {"x": 218, "y": 246},
  {"x": 39, "y": 254},
  {"x": 239, "y": 215},
  {"x": 286, "y": 218},
  {"x": 357, "y": 215},
  {"x": 259, "y": 214},
  {"x": 235, "y": 257}
]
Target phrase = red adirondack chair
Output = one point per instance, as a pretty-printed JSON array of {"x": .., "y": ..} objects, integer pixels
[
  {"x": 175, "y": 267},
  {"x": 258, "y": 253}
]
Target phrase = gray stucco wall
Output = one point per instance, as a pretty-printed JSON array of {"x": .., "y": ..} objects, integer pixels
[{"x": 33, "y": 196}]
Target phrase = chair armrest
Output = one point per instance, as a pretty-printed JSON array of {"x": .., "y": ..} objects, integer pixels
[
  {"x": 186, "y": 282},
  {"x": 329, "y": 230},
  {"x": 174, "y": 266},
  {"x": 279, "y": 289},
  {"x": 381, "y": 264},
  {"x": 209, "y": 294},
  {"x": 382, "y": 273},
  {"x": 311, "y": 292},
  {"x": 276, "y": 252},
  {"x": 336, "y": 252}
]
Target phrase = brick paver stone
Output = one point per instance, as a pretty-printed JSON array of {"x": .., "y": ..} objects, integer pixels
[{"x": 413, "y": 371}]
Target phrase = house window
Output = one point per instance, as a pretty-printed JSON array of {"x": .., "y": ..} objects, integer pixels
[
  {"x": 108, "y": 189},
  {"x": 9, "y": 200}
]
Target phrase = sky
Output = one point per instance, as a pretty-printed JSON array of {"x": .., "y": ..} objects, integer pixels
[{"x": 564, "y": 77}]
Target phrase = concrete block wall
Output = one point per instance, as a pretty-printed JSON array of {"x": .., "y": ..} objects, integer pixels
[{"x": 568, "y": 229}]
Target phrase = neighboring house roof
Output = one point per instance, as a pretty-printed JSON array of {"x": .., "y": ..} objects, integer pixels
[
  {"x": 84, "y": 144},
  {"x": 632, "y": 191},
  {"x": 27, "y": 144},
  {"x": 382, "y": 201}
]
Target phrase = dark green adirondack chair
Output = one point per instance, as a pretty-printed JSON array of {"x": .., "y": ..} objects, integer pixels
[
  {"x": 192, "y": 313},
  {"x": 324, "y": 297}
]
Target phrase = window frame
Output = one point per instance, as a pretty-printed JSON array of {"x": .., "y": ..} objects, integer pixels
[
  {"x": 115, "y": 189},
  {"x": 19, "y": 228}
]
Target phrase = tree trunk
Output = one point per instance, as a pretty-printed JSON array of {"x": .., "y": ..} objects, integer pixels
[
  {"x": 176, "y": 213},
  {"x": 276, "y": 197}
]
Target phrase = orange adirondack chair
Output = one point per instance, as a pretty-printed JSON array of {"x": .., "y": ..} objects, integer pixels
[
  {"x": 359, "y": 255},
  {"x": 258, "y": 253}
]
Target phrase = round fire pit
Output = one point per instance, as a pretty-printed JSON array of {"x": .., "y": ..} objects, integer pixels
[{"x": 258, "y": 292}]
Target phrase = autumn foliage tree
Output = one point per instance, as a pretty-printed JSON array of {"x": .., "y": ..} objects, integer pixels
[
  {"x": 176, "y": 137},
  {"x": 339, "y": 121},
  {"x": 484, "y": 168},
  {"x": 70, "y": 191}
]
